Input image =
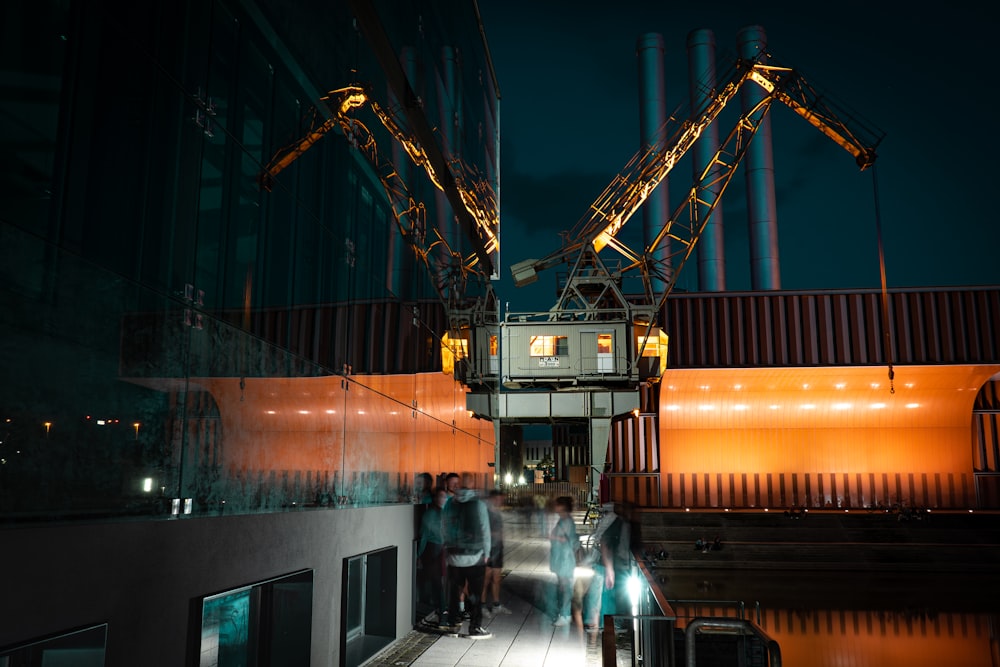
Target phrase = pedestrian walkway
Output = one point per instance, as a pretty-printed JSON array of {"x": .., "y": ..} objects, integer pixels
[{"x": 523, "y": 638}]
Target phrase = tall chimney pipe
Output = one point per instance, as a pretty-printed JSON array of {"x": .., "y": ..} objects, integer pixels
[
  {"x": 765, "y": 272},
  {"x": 399, "y": 267},
  {"x": 652, "y": 114},
  {"x": 449, "y": 126},
  {"x": 701, "y": 78}
]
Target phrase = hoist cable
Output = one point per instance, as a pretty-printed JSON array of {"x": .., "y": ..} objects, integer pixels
[{"x": 887, "y": 345}]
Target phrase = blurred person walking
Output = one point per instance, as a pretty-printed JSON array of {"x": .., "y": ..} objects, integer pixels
[
  {"x": 563, "y": 542},
  {"x": 607, "y": 593},
  {"x": 494, "y": 566}
]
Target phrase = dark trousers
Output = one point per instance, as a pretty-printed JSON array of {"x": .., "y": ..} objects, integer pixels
[
  {"x": 474, "y": 575},
  {"x": 432, "y": 577}
]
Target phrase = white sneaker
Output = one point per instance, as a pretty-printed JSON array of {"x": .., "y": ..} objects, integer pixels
[
  {"x": 500, "y": 609},
  {"x": 561, "y": 622}
]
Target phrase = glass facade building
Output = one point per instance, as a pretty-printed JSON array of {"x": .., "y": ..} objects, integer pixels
[
  {"x": 191, "y": 335},
  {"x": 147, "y": 273}
]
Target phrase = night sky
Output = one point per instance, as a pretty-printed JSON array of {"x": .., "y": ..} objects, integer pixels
[{"x": 569, "y": 121}]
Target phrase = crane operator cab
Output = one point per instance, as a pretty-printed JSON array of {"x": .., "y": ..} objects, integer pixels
[{"x": 567, "y": 353}]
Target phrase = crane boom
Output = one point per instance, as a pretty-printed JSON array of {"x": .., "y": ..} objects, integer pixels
[
  {"x": 647, "y": 169},
  {"x": 477, "y": 197}
]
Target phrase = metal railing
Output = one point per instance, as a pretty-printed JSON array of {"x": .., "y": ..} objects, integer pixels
[{"x": 654, "y": 629}]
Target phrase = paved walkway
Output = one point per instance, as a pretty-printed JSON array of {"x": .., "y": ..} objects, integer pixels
[{"x": 524, "y": 638}]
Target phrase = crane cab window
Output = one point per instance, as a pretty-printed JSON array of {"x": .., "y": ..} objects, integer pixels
[
  {"x": 549, "y": 346},
  {"x": 604, "y": 342},
  {"x": 605, "y": 353},
  {"x": 494, "y": 355}
]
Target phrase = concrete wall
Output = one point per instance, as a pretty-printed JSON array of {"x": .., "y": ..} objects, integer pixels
[{"x": 140, "y": 577}]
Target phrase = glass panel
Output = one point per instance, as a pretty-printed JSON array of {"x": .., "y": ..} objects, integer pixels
[
  {"x": 78, "y": 648},
  {"x": 175, "y": 339},
  {"x": 275, "y": 616},
  {"x": 354, "y": 614},
  {"x": 225, "y": 629}
]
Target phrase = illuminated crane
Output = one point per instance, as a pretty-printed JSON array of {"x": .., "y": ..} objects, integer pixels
[
  {"x": 586, "y": 357},
  {"x": 477, "y": 197},
  {"x": 593, "y": 292}
]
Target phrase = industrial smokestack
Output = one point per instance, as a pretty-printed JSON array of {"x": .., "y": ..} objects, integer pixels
[
  {"x": 399, "y": 264},
  {"x": 652, "y": 114},
  {"x": 765, "y": 272},
  {"x": 701, "y": 78},
  {"x": 449, "y": 122}
]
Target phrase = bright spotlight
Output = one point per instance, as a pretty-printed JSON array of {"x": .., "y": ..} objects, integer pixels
[{"x": 634, "y": 587}]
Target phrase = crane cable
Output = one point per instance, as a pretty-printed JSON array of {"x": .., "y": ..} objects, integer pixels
[{"x": 885, "y": 293}]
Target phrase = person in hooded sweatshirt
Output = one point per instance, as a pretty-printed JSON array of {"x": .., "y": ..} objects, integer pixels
[{"x": 467, "y": 546}]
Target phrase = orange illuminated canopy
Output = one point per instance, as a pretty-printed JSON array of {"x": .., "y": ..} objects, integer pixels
[{"x": 928, "y": 396}]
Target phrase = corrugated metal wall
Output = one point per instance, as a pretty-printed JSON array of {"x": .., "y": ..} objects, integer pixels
[
  {"x": 762, "y": 329},
  {"x": 371, "y": 336},
  {"x": 789, "y": 330}
]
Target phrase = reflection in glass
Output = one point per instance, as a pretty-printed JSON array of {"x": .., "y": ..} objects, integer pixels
[
  {"x": 79, "y": 648},
  {"x": 272, "y": 618}
]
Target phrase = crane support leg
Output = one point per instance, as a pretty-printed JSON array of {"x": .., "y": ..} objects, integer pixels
[
  {"x": 598, "y": 406},
  {"x": 600, "y": 430}
]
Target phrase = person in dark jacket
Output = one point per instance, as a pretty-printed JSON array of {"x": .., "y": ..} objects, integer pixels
[
  {"x": 430, "y": 552},
  {"x": 467, "y": 548}
]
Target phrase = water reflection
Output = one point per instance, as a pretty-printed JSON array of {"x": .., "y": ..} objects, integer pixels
[
  {"x": 882, "y": 639},
  {"x": 873, "y": 638}
]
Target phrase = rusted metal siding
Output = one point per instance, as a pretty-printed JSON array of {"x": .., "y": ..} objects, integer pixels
[
  {"x": 986, "y": 429},
  {"x": 634, "y": 461},
  {"x": 760, "y": 329},
  {"x": 816, "y": 490}
]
